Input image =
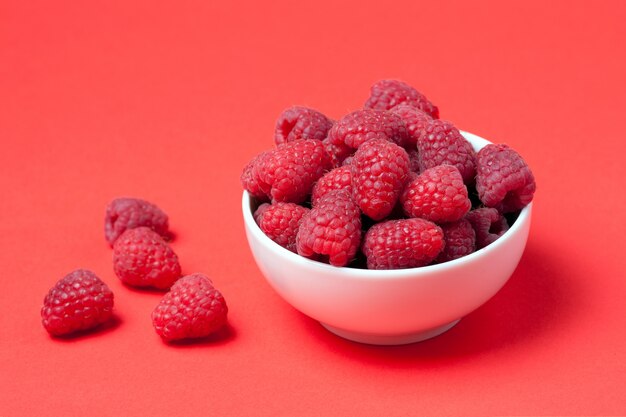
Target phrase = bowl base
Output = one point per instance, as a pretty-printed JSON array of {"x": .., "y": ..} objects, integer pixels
[{"x": 402, "y": 339}]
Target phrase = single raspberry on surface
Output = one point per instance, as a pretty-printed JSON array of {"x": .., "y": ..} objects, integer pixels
[
  {"x": 141, "y": 258},
  {"x": 503, "y": 179},
  {"x": 488, "y": 224},
  {"x": 291, "y": 169},
  {"x": 362, "y": 125},
  {"x": 127, "y": 213},
  {"x": 437, "y": 194},
  {"x": 386, "y": 94},
  {"x": 441, "y": 143},
  {"x": 79, "y": 301},
  {"x": 460, "y": 240},
  {"x": 331, "y": 230},
  {"x": 281, "y": 221},
  {"x": 338, "y": 152},
  {"x": 379, "y": 171},
  {"x": 415, "y": 121},
  {"x": 192, "y": 308},
  {"x": 406, "y": 243},
  {"x": 299, "y": 122},
  {"x": 336, "y": 179},
  {"x": 250, "y": 178}
]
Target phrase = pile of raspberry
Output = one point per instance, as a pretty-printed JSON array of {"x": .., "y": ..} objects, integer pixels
[
  {"x": 138, "y": 232},
  {"x": 390, "y": 184}
]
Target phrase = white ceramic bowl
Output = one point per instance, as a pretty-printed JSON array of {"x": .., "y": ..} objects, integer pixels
[{"x": 389, "y": 307}]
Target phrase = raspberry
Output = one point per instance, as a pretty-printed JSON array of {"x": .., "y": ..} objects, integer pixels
[
  {"x": 332, "y": 229},
  {"x": 460, "y": 240},
  {"x": 79, "y": 301},
  {"x": 192, "y": 308},
  {"x": 250, "y": 178},
  {"x": 338, "y": 152},
  {"x": 442, "y": 143},
  {"x": 280, "y": 222},
  {"x": 379, "y": 172},
  {"x": 503, "y": 179},
  {"x": 437, "y": 194},
  {"x": 337, "y": 179},
  {"x": 406, "y": 243},
  {"x": 127, "y": 213},
  {"x": 301, "y": 123},
  {"x": 142, "y": 259},
  {"x": 414, "y": 161},
  {"x": 291, "y": 169},
  {"x": 386, "y": 94},
  {"x": 259, "y": 211},
  {"x": 415, "y": 121},
  {"x": 362, "y": 125},
  {"x": 488, "y": 224}
]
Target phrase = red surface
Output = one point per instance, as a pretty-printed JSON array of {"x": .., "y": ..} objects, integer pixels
[{"x": 168, "y": 101}]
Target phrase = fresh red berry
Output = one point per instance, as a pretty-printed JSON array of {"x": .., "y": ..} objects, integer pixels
[
  {"x": 250, "y": 178},
  {"x": 379, "y": 172},
  {"x": 362, "y": 125},
  {"x": 259, "y": 211},
  {"x": 336, "y": 179},
  {"x": 460, "y": 240},
  {"x": 406, "y": 243},
  {"x": 192, "y": 308},
  {"x": 503, "y": 179},
  {"x": 141, "y": 258},
  {"x": 415, "y": 121},
  {"x": 291, "y": 169},
  {"x": 331, "y": 230},
  {"x": 338, "y": 152},
  {"x": 414, "y": 160},
  {"x": 79, "y": 301},
  {"x": 281, "y": 221},
  {"x": 441, "y": 143},
  {"x": 488, "y": 223},
  {"x": 386, "y": 94},
  {"x": 127, "y": 213},
  {"x": 437, "y": 194},
  {"x": 301, "y": 123}
]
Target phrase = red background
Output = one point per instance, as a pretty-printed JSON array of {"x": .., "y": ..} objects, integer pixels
[{"x": 168, "y": 101}]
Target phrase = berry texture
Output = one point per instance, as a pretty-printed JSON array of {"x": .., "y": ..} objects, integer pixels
[
  {"x": 338, "y": 152},
  {"x": 406, "y": 243},
  {"x": 259, "y": 211},
  {"x": 437, "y": 194},
  {"x": 331, "y": 230},
  {"x": 79, "y": 301},
  {"x": 141, "y": 258},
  {"x": 441, "y": 143},
  {"x": 193, "y": 308},
  {"x": 336, "y": 179},
  {"x": 386, "y": 94},
  {"x": 301, "y": 123},
  {"x": 127, "y": 213},
  {"x": 362, "y": 125},
  {"x": 415, "y": 121},
  {"x": 414, "y": 160},
  {"x": 291, "y": 170},
  {"x": 503, "y": 179},
  {"x": 250, "y": 178},
  {"x": 379, "y": 172},
  {"x": 281, "y": 221},
  {"x": 488, "y": 224},
  {"x": 460, "y": 240}
]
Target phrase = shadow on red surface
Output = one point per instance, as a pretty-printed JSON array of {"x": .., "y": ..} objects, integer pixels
[
  {"x": 536, "y": 299},
  {"x": 98, "y": 331}
]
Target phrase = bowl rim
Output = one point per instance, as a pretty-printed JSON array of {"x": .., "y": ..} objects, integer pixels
[{"x": 422, "y": 271}]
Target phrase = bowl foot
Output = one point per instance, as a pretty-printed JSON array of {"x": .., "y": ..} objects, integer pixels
[{"x": 402, "y": 339}]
